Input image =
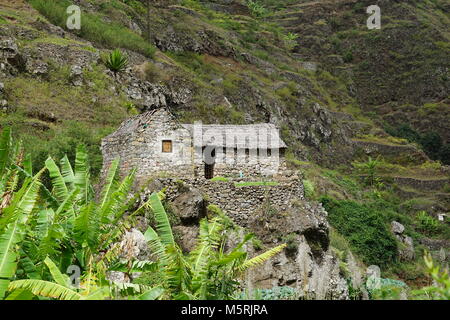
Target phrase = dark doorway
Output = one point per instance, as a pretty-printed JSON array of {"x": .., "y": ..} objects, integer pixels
[
  {"x": 209, "y": 171},
  {"x": 209, "y": 159}
]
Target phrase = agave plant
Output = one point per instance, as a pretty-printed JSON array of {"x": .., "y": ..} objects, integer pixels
[{"x": 116, "y": 61}]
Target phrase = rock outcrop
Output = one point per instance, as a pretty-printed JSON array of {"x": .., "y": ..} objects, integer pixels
[{"x": 406, "y": 248}]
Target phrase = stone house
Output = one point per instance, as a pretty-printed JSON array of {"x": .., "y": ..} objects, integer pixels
[{"x": 155, "y": 142}]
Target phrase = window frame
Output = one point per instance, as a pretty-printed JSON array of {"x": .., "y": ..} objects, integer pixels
[{"x": 163, "y": 143}]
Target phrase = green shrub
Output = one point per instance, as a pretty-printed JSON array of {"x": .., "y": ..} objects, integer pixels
[
  {"x": 348, "y": 57},
  {"x": 309, "y": 189},
  {"x": 364, "y": 228},
  {"x": 426, "y": 223},
  {"x": 257, "y": 9}
]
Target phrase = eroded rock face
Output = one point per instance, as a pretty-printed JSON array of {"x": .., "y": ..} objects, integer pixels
[
  {"x": 203, "y": 41},
  {"x": 10, "y": 58},
  {"x": 147, "y": 95},
  {"x": 186, "y": 236},
  {"x": 309, "y": 264},
  {"x": 312, "y": 279}
]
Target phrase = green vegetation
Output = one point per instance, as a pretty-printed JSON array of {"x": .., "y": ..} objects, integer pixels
[
  {"x": 257, "y": 9},
  {"x": 255, "y": 183},
  {"x": 439, "y": 291},
  {"x": 309, "y": 189},
  {"x": 427, "y": 224},
  {"x": 219, "y": 178},
  {"x": 369, "y": 169},
  {"x": 430, "y": 141},
  {"x": 365, "y": 228},
  {"x": 52, "y": 118},
  {"x": 93, "y": 28}
]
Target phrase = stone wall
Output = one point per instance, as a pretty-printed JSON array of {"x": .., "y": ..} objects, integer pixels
[{"x": 240, "y": 202}]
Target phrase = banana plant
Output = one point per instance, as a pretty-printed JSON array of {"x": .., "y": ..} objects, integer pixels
[
  {"x": 13, "y": 222},
  {"x": 207, "y": 272},
  {"x": 58, "y": 289}
]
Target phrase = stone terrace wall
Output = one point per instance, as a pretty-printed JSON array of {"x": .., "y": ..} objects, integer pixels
[{"x": 239, "y": 203}]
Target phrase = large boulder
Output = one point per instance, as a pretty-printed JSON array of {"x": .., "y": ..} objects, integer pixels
[
  {"x": 186, "y": 237},
  {"x": 189, "y": 206},
  {"x": 134, "y": 246},
  {"x": 397, "y": 228}
]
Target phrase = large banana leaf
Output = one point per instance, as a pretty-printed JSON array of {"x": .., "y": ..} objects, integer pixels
[
  {"x": 45, "y": 289},
  {"x": 109, "y": 182},
  {"x": 9, "y": 238},
  {"x": 8, "y": 256},
  {"x": 116, "y": 205},
  {"x": 20, "y": 294},
  {"x": 156, "y": 246},
  {"x": 152, "y": 294},
  {"x": 162, "y": 220},
  {"x": 59, "y": 186},
  {"x": 5, "y": 147},
  {"x": 67, "y": 171},
  {"x": 209, "y": 240},
  {"x": 82, "y": 179},
  {"x": 87, "y": 225},
  {"x": 60, "y": 278}
]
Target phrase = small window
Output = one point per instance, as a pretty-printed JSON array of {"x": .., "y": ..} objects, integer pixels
[{"x": 167, "y": 146}]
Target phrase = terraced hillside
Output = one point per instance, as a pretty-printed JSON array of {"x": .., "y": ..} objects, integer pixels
[{"x": 365, "y": 113}]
